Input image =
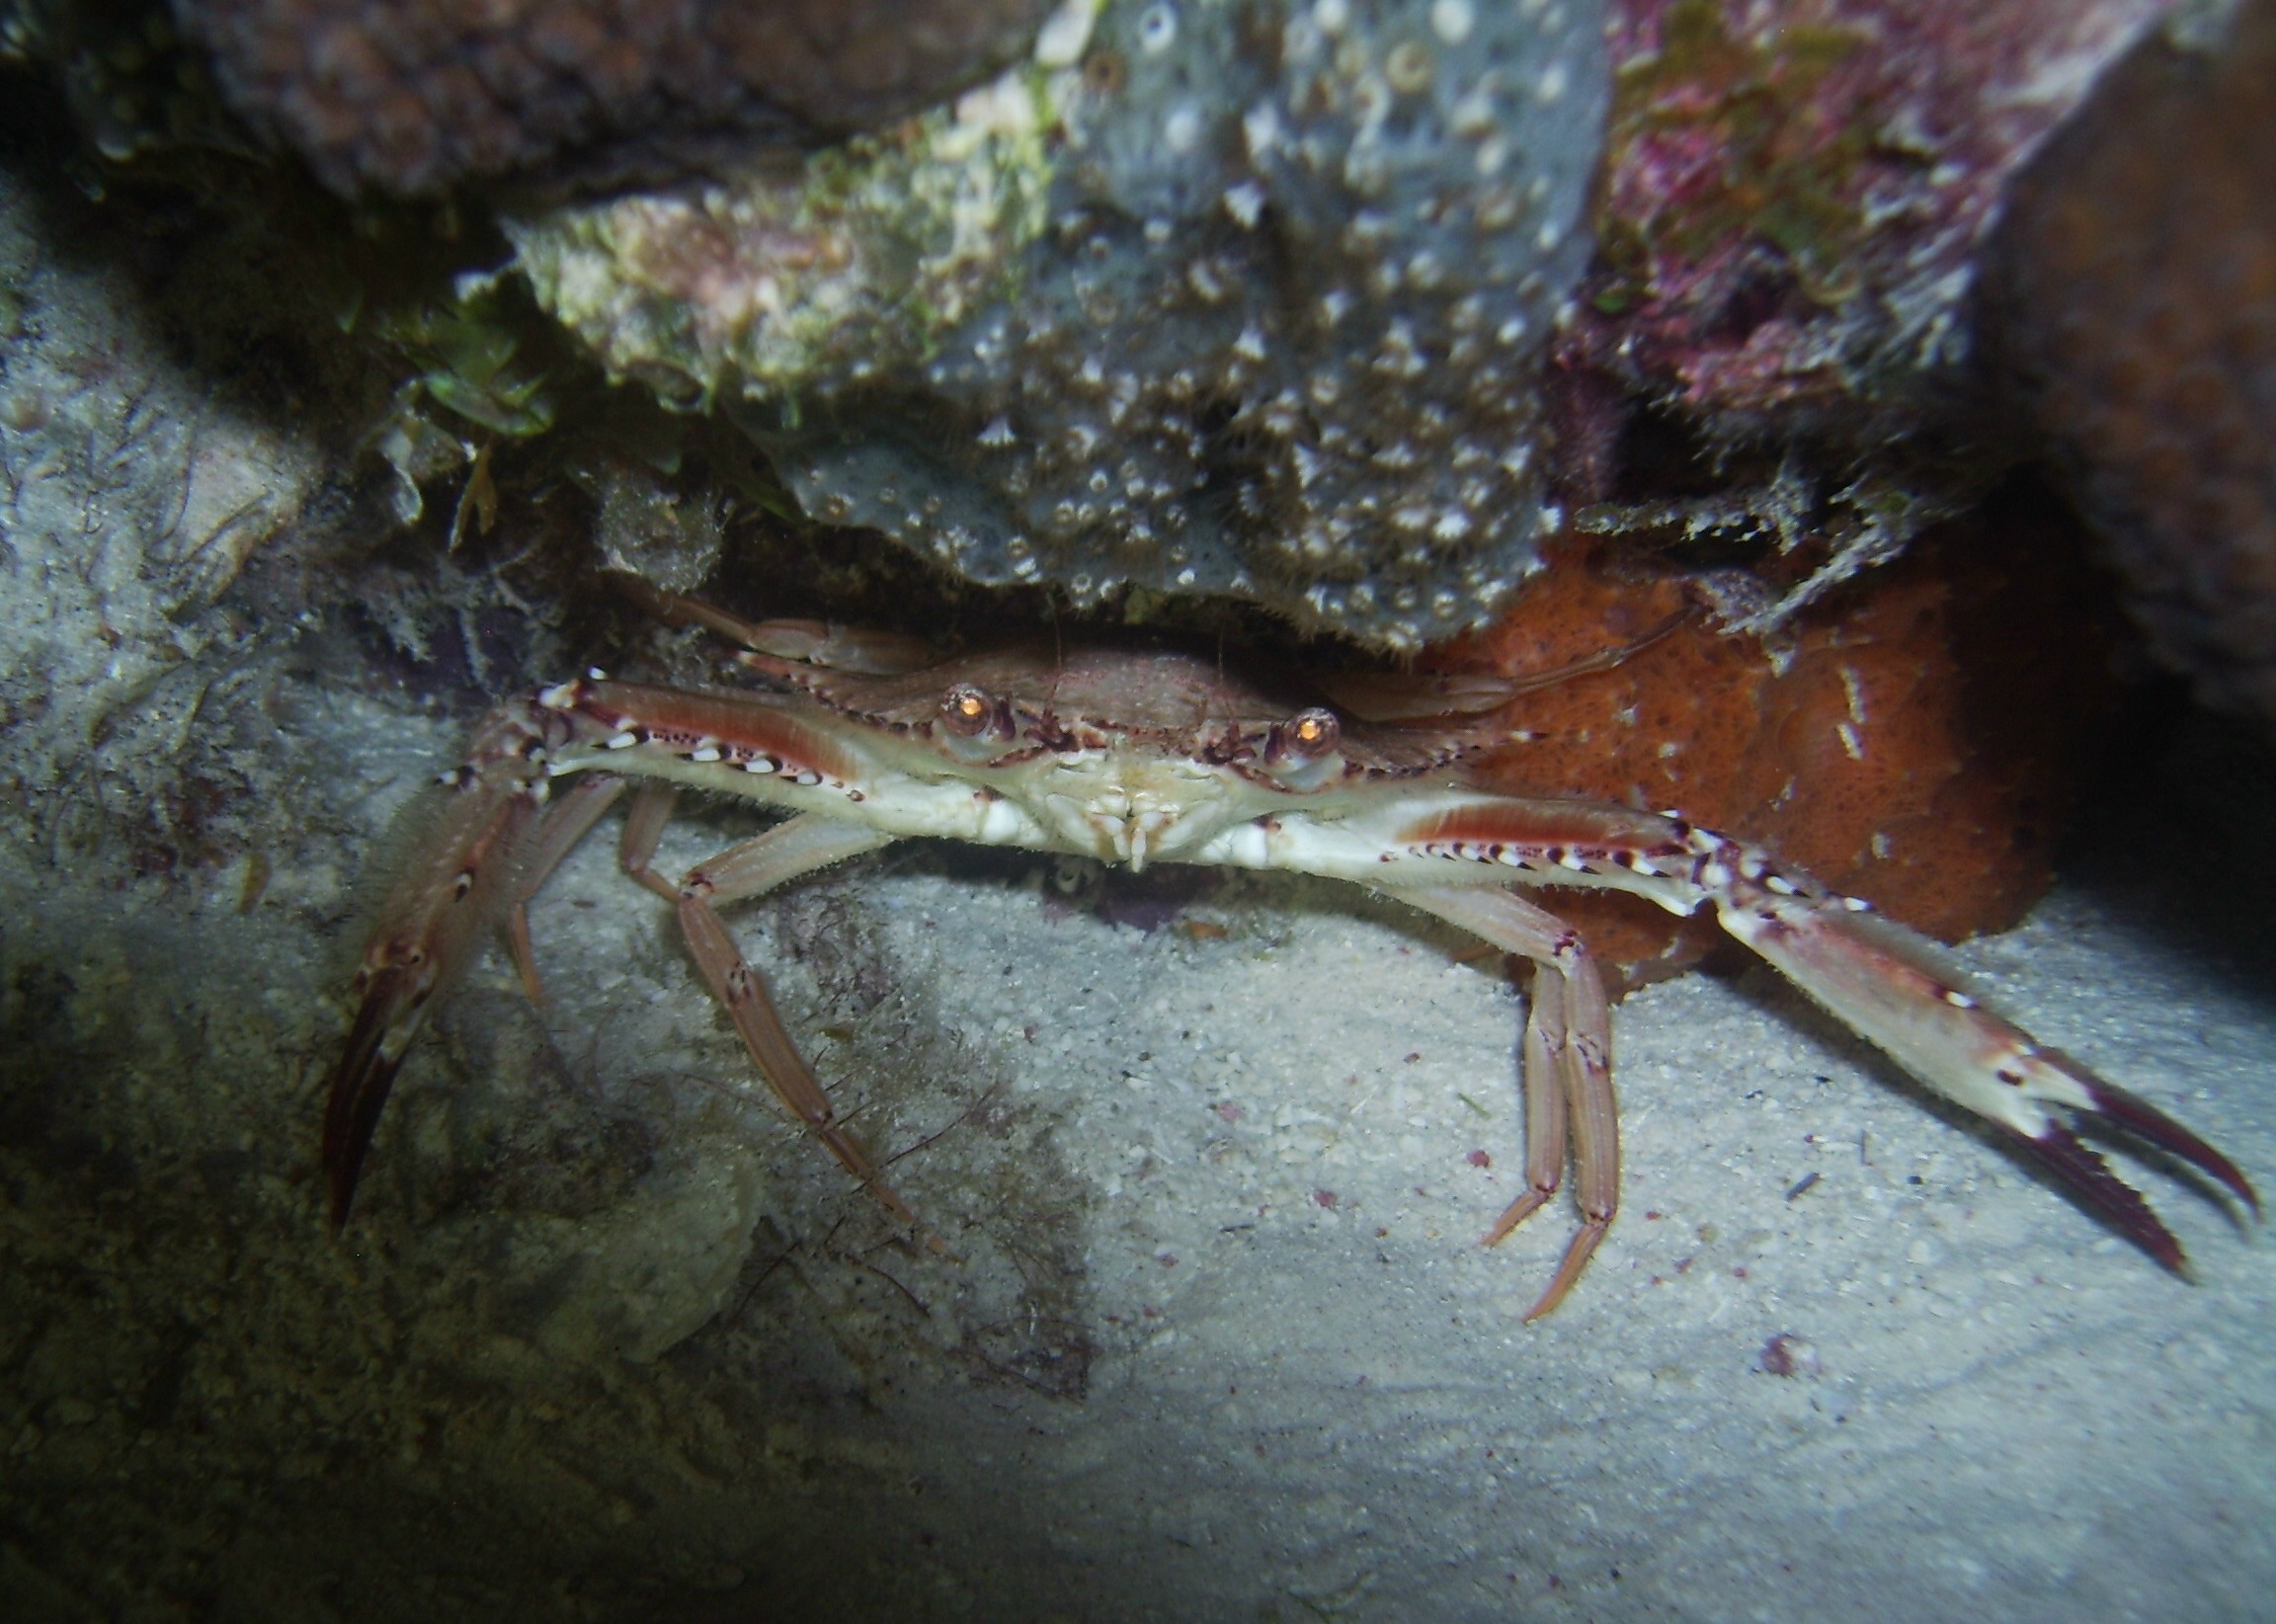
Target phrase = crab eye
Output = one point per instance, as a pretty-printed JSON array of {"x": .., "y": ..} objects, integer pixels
[
  {"x": 967, "y": 710},
  {"x": 1313, "y": 732},
  {"x": 1304, "y": 737},
  {"x": 976, "y": 727},
  {"x": 1301, "y": 751}
]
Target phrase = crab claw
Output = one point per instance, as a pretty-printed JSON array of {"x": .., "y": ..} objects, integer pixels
[
  {"x": 2153, "y": 1126},
  {"x": 1896, "y": 990},
  {"x": 2084, "y": 1171},
  {"x": 389, "y": 1018},
  {"x": 467, "y": 849}
]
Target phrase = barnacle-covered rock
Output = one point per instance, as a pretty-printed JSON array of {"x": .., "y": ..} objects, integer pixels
[
  {"x": 1287, "y": 299},
  {"x": 2141, "y": 289},
  {"x": 414, "y": 96},
  {"x": 1235, "y": 298},
  {"x": 1290, "y": 301},
  {"x": 1214, "y": 297}
]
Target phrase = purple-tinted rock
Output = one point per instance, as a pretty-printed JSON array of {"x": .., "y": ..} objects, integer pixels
[
  {"x": 1777, "y": 342},
  {"x": 1795, "y": 195}
]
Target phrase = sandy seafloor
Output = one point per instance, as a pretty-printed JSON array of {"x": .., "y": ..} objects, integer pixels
[
  {"x": 1208, "y": 1335},
  {"x": 1216, "y": 1339}
]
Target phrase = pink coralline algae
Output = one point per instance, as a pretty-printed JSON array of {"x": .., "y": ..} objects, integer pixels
[
  {"x": 1780, "y": 343},
  {"x": 1794, "y": 193}
]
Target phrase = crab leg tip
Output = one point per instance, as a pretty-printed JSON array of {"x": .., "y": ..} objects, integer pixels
[
  {"x": 2080, "y": 1167},
  {"x": 349, "y": 1123},
  {"x": 377, "y": 1045},
  {"x": 343, "y": 1195},
  {"x": 1576, "y": 1256},
  {"x": 2153, "y": 1126}
]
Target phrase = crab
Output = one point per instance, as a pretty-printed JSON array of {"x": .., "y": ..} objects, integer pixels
[{"x": 1138, "y": 755}]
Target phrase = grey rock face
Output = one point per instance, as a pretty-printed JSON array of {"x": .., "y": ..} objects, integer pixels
[{"x": 1246, "y": 298}]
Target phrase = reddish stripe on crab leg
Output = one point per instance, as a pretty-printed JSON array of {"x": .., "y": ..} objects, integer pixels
[
  {"x": 757, "y": 735},
  {"x": 1561, "y": 839},
  {"x": 1890, "y": 987}
]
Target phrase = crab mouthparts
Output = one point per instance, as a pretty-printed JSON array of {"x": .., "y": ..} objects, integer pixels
[
  {"x": 1117, "y": 826},
  {"x": 1133, "y": 837}
]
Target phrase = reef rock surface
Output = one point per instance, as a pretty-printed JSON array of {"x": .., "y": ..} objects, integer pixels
[
  {"x": 1341, "y": 310},
  {"x": 415, "y": 96},
  {"x": 1233, "y": 298}
]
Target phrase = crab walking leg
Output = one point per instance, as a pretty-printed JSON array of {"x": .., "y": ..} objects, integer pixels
[
  {"x": 752, "y": 869},
  {"x": 1542, "y": 1076},
  {"x": 816, "y": 642},
  {"x": 1887, "y": 985},
  {"x": 1568, "y": 1066},
  {"x": 482, "y": 846},
  {"x": 643, "y": 828},
  {"x": 569, "y": 820}
]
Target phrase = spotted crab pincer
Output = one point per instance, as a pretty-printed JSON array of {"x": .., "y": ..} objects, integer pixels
[{"x": 1135, "y": 755}]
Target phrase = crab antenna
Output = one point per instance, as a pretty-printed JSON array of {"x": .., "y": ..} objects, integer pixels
[{"x": 1604, "y": 659}]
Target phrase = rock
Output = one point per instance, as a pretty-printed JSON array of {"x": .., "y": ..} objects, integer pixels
[
  {"x": 415, "y": 96},
  {"x": 2140, "y": 290},
  {"x": 1248, "y": 299}
]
